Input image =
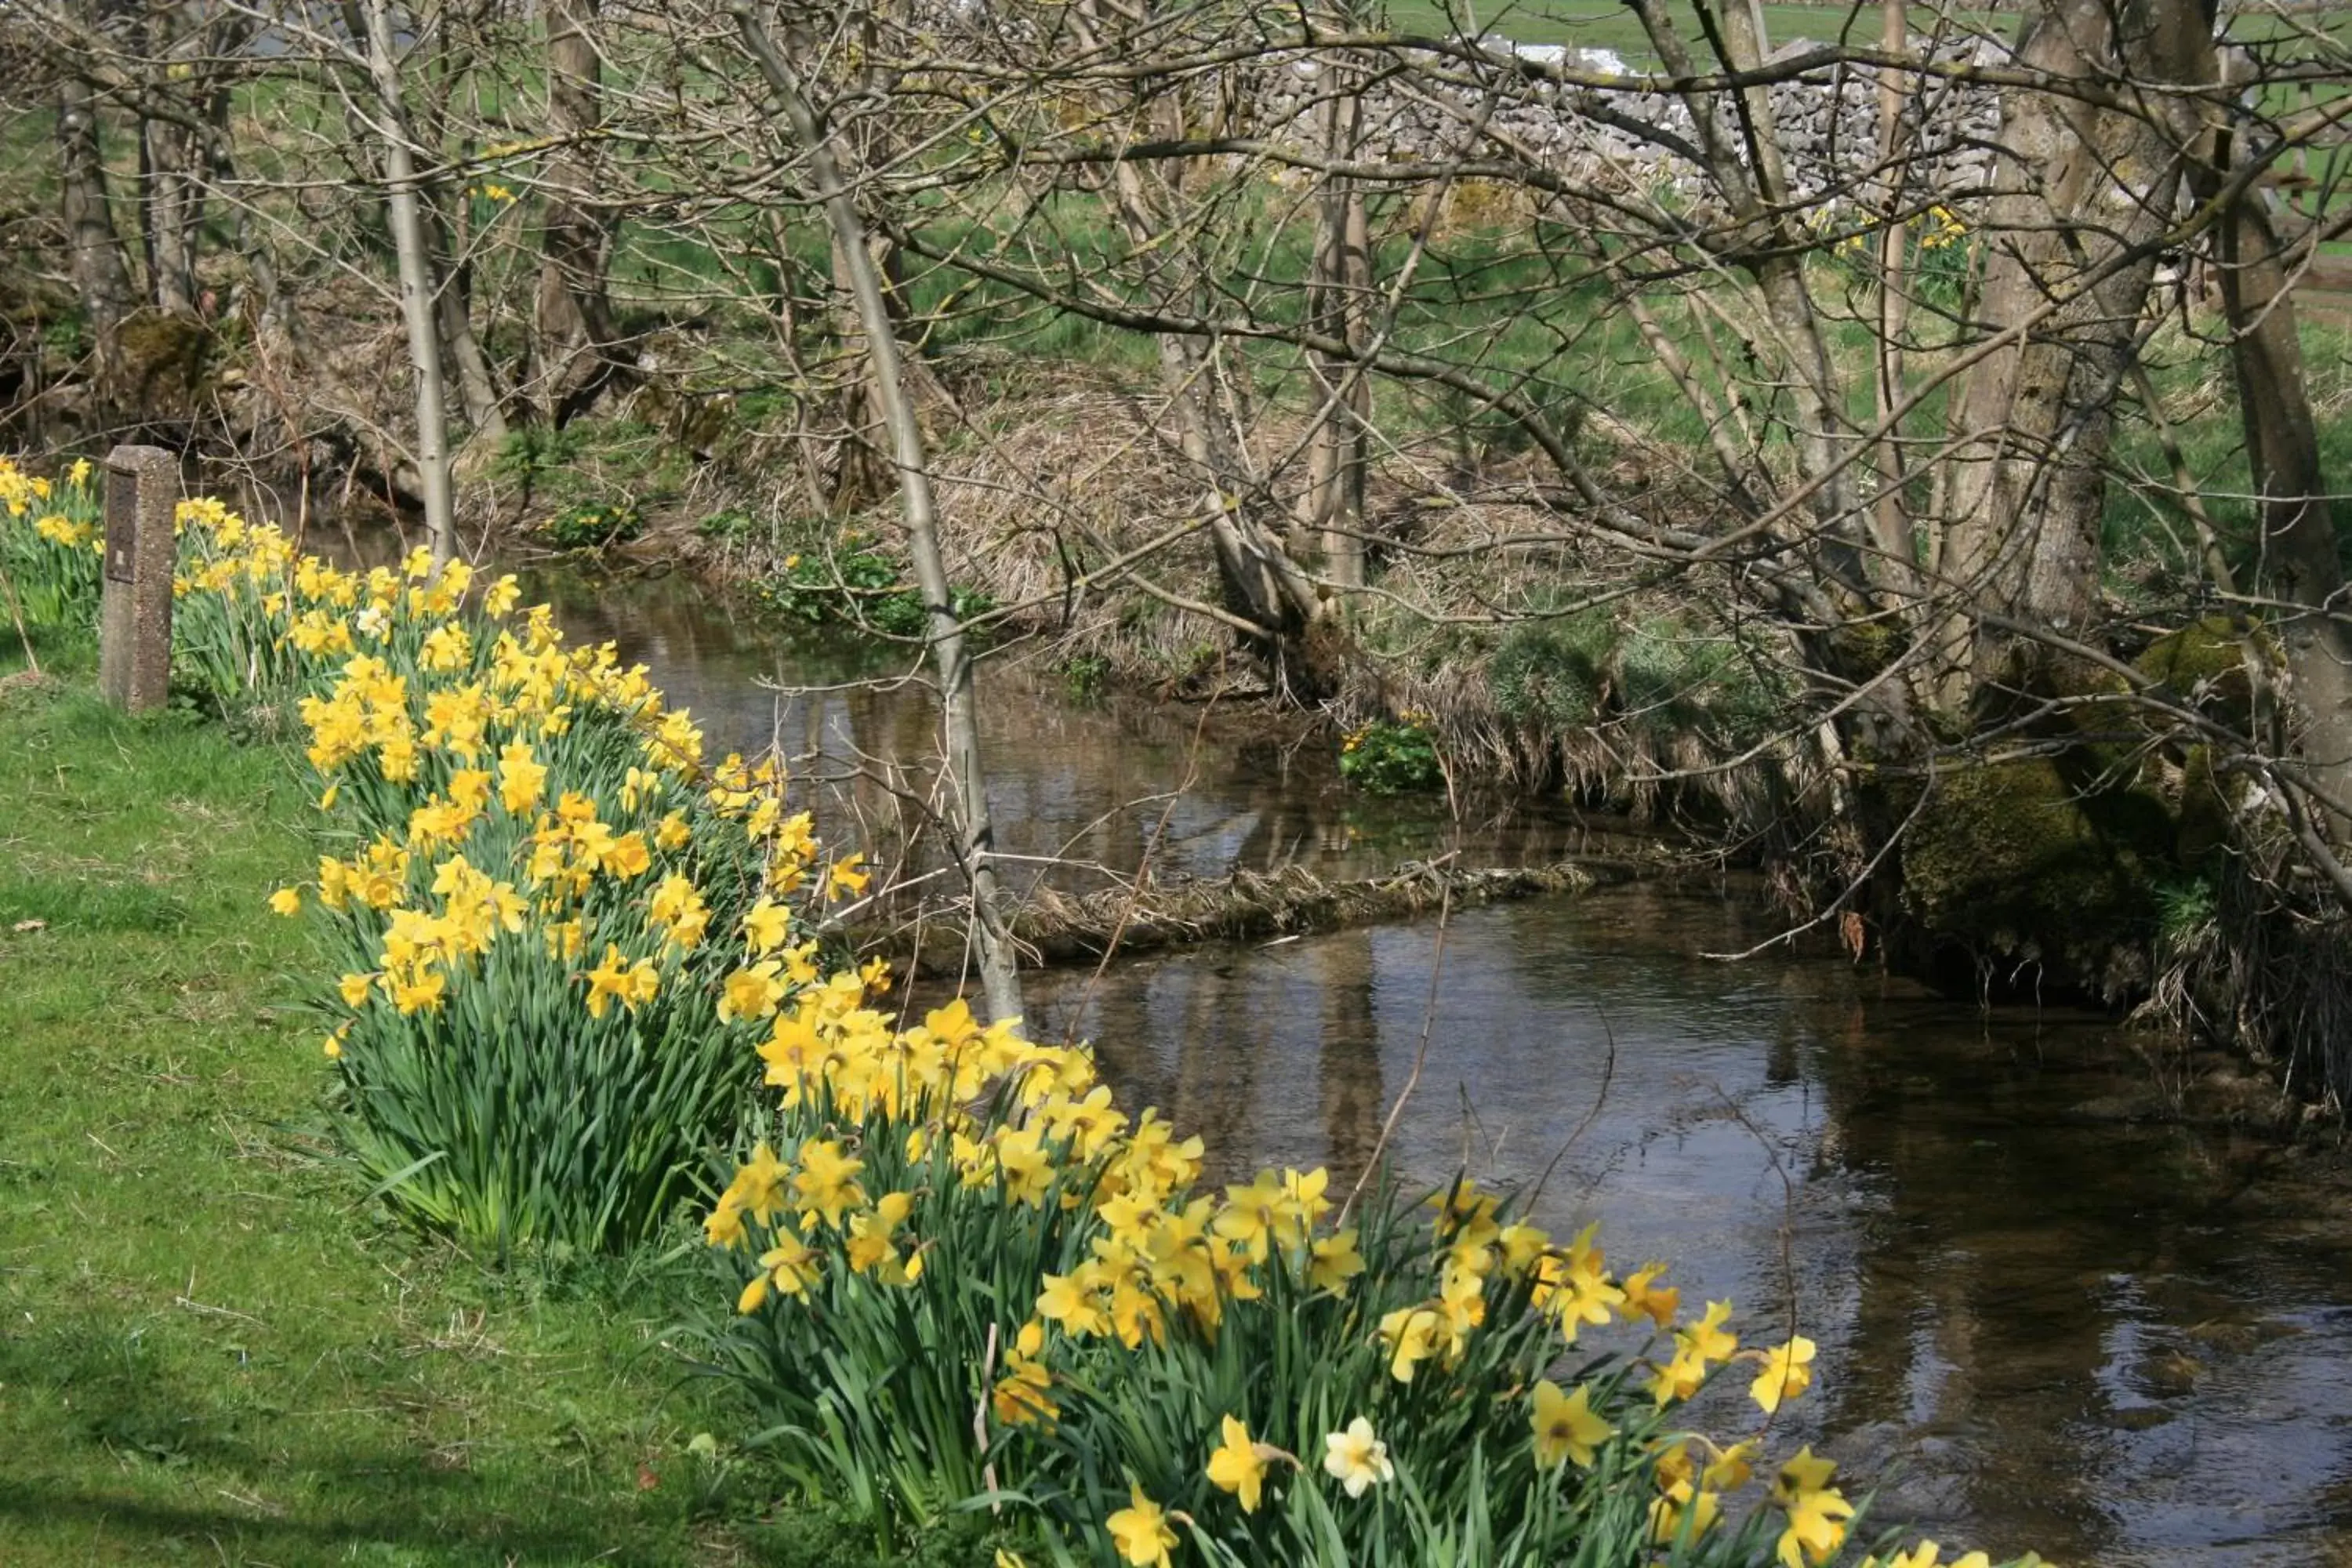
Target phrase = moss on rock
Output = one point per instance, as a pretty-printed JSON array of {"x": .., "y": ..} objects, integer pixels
[
  {"x": 2208, "y": 646},
  {"x": 2206, "y": 662},
  {"x": 2018, "y": 863},
  {"x": 166, "y": 359}
]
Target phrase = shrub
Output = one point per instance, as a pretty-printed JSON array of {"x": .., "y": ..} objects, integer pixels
[
  {"x": 1390, "y": 756},
  {"x": 1087, "y": 675},
  {"x": 856, "y": 584},
  {"x": 729, "y": 525},
  {"x": 828, "y": 586},
  {"x": 1554, "y": 672}
]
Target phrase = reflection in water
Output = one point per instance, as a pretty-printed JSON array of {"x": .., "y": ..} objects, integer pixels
[
  {"x": 1117, "y": 785},
  {"x": 2110, "y": 1343}
]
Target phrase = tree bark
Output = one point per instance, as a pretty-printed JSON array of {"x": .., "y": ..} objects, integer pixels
[
  {"x": 976, "y": 853},
  {"x": 1332, "y": 509},
  {"x": 2077, "y": 189},
  {"x": 573, "y": 336},
  {"x": 101, "y": 277},
  {"x": 478, "y": 385},
  {"x": 1743, "y": 161},
  {"x": 1264, "y": 587},
  {"x": 2297, "y": 566},
  {"x": 406, "y": 215},
  {"x": 171, "y": 199}
]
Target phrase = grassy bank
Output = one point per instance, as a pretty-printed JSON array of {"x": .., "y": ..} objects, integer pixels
[{"x": 210, "y": 1349}]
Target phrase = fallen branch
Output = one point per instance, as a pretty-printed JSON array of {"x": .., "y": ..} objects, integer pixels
[{"x": 1056, "y": 928}]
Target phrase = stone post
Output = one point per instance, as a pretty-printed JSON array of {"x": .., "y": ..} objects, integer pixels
[{"x": 134, "y": 640}]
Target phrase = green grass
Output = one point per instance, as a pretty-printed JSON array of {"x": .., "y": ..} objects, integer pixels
[{"x": 211, "y": 1349}]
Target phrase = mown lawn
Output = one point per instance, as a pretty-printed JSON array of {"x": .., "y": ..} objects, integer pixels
[{"x": 211, "y": 1349}]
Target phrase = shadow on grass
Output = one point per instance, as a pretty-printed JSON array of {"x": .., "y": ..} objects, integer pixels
[
  {"x": 395, "y": 1529},
  {"x": 60, "y": 650}
]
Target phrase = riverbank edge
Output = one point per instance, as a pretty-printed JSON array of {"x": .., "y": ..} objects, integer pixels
[{"x": 2126, "y": 973}]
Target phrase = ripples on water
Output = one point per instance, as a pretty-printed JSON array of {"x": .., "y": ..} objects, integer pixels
[{"x": 2115, "y": 1344}]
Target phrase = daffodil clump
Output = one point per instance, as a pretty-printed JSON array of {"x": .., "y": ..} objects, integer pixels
[
  {"x": 565, "y": 951},
  {"x": 553, "y": 930},
  {"x": 51, "y": 545},
  {"x": 963, "y": 1275}
]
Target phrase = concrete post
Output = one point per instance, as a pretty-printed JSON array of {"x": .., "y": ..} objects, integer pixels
[{"x": 134, "y": 642}]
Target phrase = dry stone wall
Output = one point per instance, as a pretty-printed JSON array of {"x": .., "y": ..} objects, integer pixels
[{"x": 1827, "y": 124}]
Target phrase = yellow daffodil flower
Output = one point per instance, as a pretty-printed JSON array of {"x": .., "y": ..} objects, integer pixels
[
  {"x": 1140, "y": 1532},
  {"x": 1237, "y": 1466},
  {"x": 1788, "y": 1371},
  {"x": 1817, "y": 1511},
  {"x": 1410, "y": 1334},
  {"x": 1566, "y": 1427},
  {"x": 765, "y": 925},
  {"x": 845, "y": 879}
]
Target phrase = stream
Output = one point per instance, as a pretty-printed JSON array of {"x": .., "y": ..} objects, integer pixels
[{"x": 2047, "y": 1318}]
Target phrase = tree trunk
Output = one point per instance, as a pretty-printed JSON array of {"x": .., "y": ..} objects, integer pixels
[
  {"x": 406, "y": 215},
  {"x": 478, "y": 385},
  {"x": 572, "y": 342},
  {"x": 101, "y": 277},
  {"x": 2297, "y": 567},
  {"x": 999, "y": 972},
  {"x": 1264, "y": 588},
  {"x": 1891, "y": 539},
  {"x": 860, "y": 468},
  {"x": 2076, "y": 188},
  {"x": 1743, "y": 161},
  {"x": 170, "y": 197},
  {"x": 1331, "y": 512}
]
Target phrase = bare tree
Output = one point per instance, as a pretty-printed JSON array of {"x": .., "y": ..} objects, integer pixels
[
  {"x": 975, "y": 849},
  {"x": 418, "y": 287}
]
